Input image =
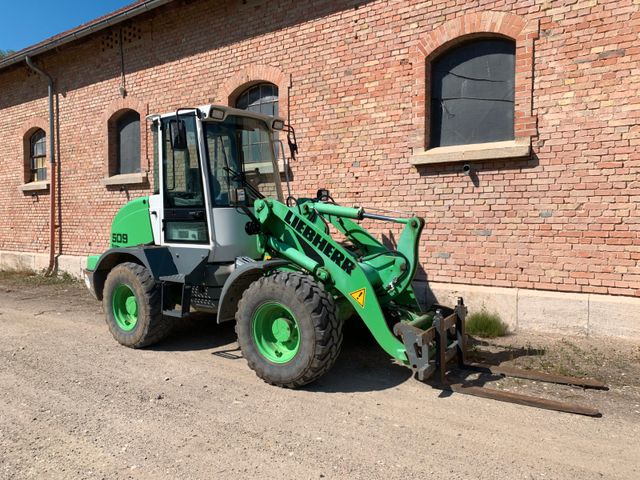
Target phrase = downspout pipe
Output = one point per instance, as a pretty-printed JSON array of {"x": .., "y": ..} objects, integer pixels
[{"x": 52, "y": 163}]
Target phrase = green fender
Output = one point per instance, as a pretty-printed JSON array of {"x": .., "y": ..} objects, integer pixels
[{"x": 238, "y": 282}]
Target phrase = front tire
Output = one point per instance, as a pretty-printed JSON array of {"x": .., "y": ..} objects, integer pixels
[
  {"x": 288, "y": 329},
  {"x": 132, "y": 303}
]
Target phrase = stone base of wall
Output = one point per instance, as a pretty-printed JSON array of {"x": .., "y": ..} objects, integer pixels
[
  {"x": 521, "y": 309},
  {"x": 558, "y": 312},
  {"x": 39, "y": 262}
]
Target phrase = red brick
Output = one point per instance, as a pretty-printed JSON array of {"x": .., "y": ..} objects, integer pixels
[{"x": 359, "y": 94}]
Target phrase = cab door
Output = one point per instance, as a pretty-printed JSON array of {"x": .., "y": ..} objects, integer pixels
[
  {"x": 184, "y": 219},
  {"x": 230, "y": 237}
]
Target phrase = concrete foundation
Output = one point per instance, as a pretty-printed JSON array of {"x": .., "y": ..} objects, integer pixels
[
  {"x": 558, "y": 312},
  {"x": 38, "y": 262}
]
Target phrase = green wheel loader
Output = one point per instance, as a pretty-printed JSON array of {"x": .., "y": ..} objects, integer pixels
[{"x": 219, "y": 236}]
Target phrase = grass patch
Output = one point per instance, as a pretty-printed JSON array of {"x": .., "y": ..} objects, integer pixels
[
  {"x": 27, "y": 277},
  {"x": 485, "y": 324}
]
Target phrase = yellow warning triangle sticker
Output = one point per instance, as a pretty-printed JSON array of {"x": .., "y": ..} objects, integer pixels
[{"x": 359, "y": 295}]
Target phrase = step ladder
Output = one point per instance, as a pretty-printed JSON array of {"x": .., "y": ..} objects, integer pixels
[{"x": 168, "y": 282}]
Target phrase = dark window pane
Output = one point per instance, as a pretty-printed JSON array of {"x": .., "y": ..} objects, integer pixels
[
  {"x": 472, "y": 93},
  {"x": 254, "y": 95},
  {"x": 261, "y": 98},
  {"x": 184, "y": 214},
  {"x": 182, "y": 176},
  {"x": 267, "y": 93},
  {"x": 241, "y": 102},
  {"x": 156, "y": 169},
  {"x": 38, "y": 152},
  {"x": 39, "y": 147},
  {"x": 38, "y": 143},
  {"x": 128, "y": 128}
]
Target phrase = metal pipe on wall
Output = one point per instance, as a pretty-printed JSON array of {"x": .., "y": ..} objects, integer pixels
[{"x": 52, "y": 162}]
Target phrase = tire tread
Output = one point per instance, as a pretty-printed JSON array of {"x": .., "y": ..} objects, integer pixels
[
  {"x": 323, "y": 313},
  {"x": 157, "y": 327}
]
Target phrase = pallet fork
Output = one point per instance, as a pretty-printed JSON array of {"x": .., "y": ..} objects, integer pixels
[{"x": 431, "y": 350}]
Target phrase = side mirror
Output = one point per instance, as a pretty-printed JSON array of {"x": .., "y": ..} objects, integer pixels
[
  {"x": 237, "y": 196},
  {"x": 292, "y": 141},
  {"x": 178, "y": 132}
]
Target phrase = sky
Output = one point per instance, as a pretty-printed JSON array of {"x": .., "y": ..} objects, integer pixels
[{"x": 26, "y": 22}]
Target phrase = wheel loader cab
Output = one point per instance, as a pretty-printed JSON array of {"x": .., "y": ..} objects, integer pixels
[{"x": 211, "y": 164}]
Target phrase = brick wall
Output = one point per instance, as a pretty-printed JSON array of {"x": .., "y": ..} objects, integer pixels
[{"x": 566, "y": 219}]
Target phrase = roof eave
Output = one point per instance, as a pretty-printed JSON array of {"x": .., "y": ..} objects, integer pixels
[{"x": 81, "y": 32}]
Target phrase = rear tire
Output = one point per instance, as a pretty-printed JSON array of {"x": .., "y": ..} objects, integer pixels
[
  {"x": 288, "y": 329},
  {"x": 132, "y": 303}
]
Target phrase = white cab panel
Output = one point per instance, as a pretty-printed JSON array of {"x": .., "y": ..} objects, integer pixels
[
  {"x": 229, "y": 237},
  {"x": 155, "y": 210}
]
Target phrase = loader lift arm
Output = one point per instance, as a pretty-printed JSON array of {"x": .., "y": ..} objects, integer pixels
[{"x": 371, "y": 279}]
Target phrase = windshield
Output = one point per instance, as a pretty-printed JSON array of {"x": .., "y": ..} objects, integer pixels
[{"x": 240, "y": 154}]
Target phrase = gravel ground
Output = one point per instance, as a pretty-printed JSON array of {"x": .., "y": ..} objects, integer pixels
[{"x": 74, "y": 404}]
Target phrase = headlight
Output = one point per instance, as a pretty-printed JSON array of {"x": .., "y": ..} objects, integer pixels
[{"x": 216, "y": 113}]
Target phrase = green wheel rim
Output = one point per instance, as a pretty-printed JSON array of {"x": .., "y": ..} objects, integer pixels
[
  {"x": 276, "y": 332},
  {"x": 125, "y": 307}
]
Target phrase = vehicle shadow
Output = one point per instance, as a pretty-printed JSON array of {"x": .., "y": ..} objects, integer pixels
[
  {"x": 362, "y": 365},
  {"x": 199, "y": 331},
  {"x": 487, "y": 353}
]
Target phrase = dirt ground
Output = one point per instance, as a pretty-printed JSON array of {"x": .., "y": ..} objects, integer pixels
[{"x": 74, "y": 404}]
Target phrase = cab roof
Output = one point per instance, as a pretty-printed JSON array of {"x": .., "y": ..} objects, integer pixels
[{"x": 208, "y": 112}]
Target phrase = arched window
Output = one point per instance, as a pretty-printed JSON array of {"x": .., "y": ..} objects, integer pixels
[
  {"x": 259, "y": 98},
  {"x": 472, "y": 93},
  {"x": 38, "y": 156},
  {"x": 127, "y": 130}
]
